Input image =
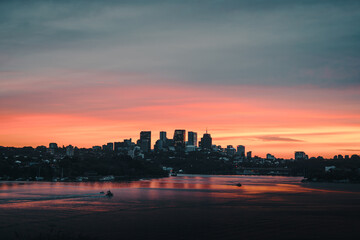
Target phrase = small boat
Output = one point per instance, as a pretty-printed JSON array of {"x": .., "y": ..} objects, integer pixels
[
  {"x": 174, "y": 174},
  {"x": 109, "y": 194},
  {"x": 102, "y": 192},
  {"x": 238, "y": 184}
]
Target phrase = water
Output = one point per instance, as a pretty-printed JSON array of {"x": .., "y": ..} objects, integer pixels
[{"x": 182, "y": 207}]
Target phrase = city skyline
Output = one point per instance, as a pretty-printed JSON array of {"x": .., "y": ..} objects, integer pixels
[
  {"x": 147, "y": 146},
  {"x": 274, "y": 76}
]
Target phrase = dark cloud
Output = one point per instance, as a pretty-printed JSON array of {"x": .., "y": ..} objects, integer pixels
[
  {"x": 266, "y": 138},
  {"x": 221, "y": 42},
  {"x": 350, "y": 150},
  {"x": 277, "y": 138}
]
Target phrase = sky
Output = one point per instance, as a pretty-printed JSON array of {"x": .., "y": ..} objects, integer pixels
[{"x": 276, "y": 76}]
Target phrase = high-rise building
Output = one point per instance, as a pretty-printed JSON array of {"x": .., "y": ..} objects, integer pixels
[
  {"x": 300, "y": 155},
  {"x": 248, "y": 155},
  {"x": 192, "y": 139},
  {"x": 206, "y": 141},
  {"x": 70, "y": 151},
  {"x": 179, "y": 138},
  {"x": 163, "y": 136},
  {"x": 117, "y": 146},
  {"x": 241, "y": 150},
  {"x": 53, "y": 146},
  {"x": 96, "y": 148},
  {"x": 159, "y": 145},
  {"x": 110, "y": 146},
  {"x": 230, "y": 150},
  {"x": 145, "y": 141}
]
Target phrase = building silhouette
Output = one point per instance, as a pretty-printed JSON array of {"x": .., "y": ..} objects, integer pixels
[
  {"x": 248, "y": 155},
  {"x": 53, "y": 145},
  {"x": 163, "y": 136},
  {"x": 110, "y": 146},
  {"x": 179, "y": 139},
  {"x": 241, "y": 150},
  {"x": 206, "y": 141},
  {"x": 70, "y": 151},
  {"x": 192, "y": 139},
  {"x": 145, "y": 141},
  {"x": 300, "y": 155}
]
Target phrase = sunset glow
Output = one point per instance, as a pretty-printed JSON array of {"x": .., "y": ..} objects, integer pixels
[{"x": 276, "y": 79}]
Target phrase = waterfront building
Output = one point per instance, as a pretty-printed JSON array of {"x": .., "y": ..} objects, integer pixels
[
  {"x": 300, "y": 155},
  {"x": 192, "y": 139},
  {"x": 190, "y": 148},
  {"x": 248, "y": 155},
  {"x": 117, "y": 146},
  {"x": 179, "y": 139},
  {"x": 70, "y": 151},
  {"x": 159, "y": 145},
  {"x": 163, "y": 136},
  {"x": 52, "y": 148},
  {"x": 241, "y": 150},
  {"x": 145, "y": 141},
  {"x": 53, "y": 145},
  {"x": 206, "y": 141},
  {"x": 96, "y": 148},
  {"x": 110, "y": 146},
  {"x": 230, "y": 150}
]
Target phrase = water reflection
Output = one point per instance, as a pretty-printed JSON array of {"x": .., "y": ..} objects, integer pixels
[
  {"x": 183, "y": 188},
  {"x": 193, "y": 207}
]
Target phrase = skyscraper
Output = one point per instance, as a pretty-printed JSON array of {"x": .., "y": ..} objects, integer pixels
[
  {"x": 248, "y": 155},
  {"x": 206, "y": 141},
  {"x": 179, "y": 138},
  {"x": 300, "y": 155},
  {"x": 53, "y": 146},
  {"x": 145, "y": 141},
  {"x": 192, "y": 138},
  {"x": 241, "y": 150},
  {"x": 163, "y": 136},
  {"x": 70, "y": 151},
  {"x": 110, "y": 146}
]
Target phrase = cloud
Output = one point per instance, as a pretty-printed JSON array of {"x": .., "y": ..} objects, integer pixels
[
  {"x": 278, "y": 139},
  {"x": 265, "y": 138},
  {"x": 350, "y": 150},
  {"x": 220, "y": 42}
]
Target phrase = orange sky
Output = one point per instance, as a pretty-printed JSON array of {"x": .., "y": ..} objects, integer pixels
[
  {"x": 275, "y": 77},
  {"x": 277, "y": 120}
]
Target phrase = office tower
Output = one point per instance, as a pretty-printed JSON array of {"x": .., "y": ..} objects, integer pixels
[
  {"x": 110, "y": 146},
  {"x": 248, "y": 155},
  {"x": 206, "y": 141},
  {"x": 145, "y": 141},
  {"x": 96, "y": 148},
  {"x": 192, "y": 139},
  {"x": 53, "y": 146},
  {"x": 163, "y": 136},
  {"x": 70, "y": 151},
  {"x": 117, "y": 146},
  {"x": 241, "y": 150},
  {"x": 179, "y": 139},
  {"x": 230, "y": 151},
  {"x": 300, "y": 155},
  {"x": 159, "y": 145}
]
